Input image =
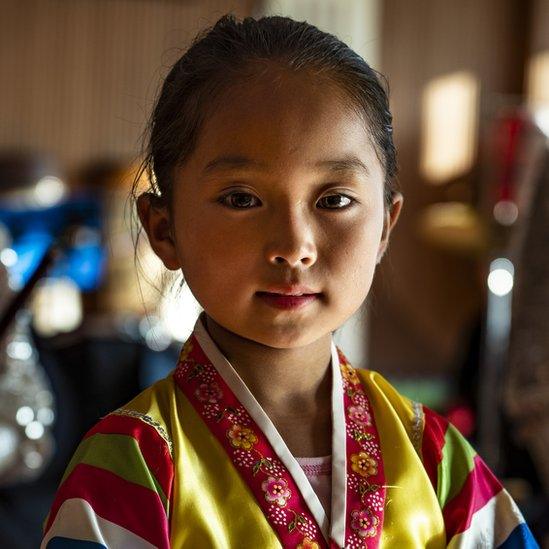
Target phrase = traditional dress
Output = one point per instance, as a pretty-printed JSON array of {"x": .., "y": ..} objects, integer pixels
[{"x": 195, "y": 462}]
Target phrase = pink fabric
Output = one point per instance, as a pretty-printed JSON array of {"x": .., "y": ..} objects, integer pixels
[{"x": 318, "y": 471}]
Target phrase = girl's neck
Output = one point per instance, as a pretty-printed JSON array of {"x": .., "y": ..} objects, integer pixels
[{"x": 292, "y": 382}]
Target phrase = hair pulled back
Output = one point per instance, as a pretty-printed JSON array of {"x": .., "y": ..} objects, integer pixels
[{"x": 229, "y": 52}]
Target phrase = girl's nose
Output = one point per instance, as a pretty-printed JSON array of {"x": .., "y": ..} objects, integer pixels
[{"x": 291, "y": 240}]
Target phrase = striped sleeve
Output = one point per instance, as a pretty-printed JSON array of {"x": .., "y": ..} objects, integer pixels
[
  {"x": 116, "y": 489},
  {"x": 477, "y": 510}
]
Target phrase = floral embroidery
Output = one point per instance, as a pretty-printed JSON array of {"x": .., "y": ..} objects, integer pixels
[
  {"x": 276, "y": 489},
  {"x": 267, "y": 476},
  {"x": 241, "y": 437},
  {"x": 363, "y": 464},
  {"x": 364, "y": 523},
  {"x": 349, "y": 373},
  {"x": 209, "y": 392},
  {"x": 365, "y": 476},
  {"x": 359, "y": 415},
  {"x": 308, "y": 543}
]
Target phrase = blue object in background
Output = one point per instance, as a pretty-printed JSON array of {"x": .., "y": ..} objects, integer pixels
[{"x": 34, "y": 230}]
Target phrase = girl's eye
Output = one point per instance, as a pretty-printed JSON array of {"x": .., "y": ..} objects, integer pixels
[
  {"x": 336, "y": 201},
  {"x": 239, "y": 200},
  {"x": 245, "y": 201}
]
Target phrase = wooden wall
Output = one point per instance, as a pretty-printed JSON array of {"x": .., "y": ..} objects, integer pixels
[
  {"x": 78, "y": 77},
  {"x": 424, "y": 298}
]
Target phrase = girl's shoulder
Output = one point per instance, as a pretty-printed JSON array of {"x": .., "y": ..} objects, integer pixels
[
  {"x": 118, "y": 484},
  {"x": 145, "y": 418},
  {"x": 439, "y": 444},
  {"x": 147, "y": 414},
  {"x": 473, "y": 502}
]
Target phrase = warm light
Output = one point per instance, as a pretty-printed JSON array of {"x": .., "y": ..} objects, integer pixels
[
  {"x": 538, "y": 79},
  {"x": 500, "y": 279},
  {"x": 57, "y": 306},
  {"x": 541, "y": 118},
  {"x": 453, "y": 225},
  {"x": 449, "y": 126},
  {"x": 49, "y": 191},
  {"x": 538, "y": 89},
  {"x": 8, "y": 257},
  {"x": 179, "y": 311}
]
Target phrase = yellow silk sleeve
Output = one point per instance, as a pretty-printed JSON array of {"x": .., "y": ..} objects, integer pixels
[
  {"x": 211, "y": 505},
  {"x": 413, "y": 518}
]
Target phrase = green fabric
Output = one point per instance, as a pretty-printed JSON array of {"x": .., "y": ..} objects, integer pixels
[
  {"x": 455, "y": 466},
  {"x": 119, "y": 454}
]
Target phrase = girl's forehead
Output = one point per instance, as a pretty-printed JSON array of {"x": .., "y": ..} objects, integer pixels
[
  {"x": 279, "y": 95},
  {"x": 280, "y": 115}
]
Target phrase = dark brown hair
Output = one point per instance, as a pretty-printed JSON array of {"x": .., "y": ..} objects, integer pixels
[{"x": 231, "y": 51}]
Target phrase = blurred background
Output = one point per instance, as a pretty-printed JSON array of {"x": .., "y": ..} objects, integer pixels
[{"x": 458, "y": 316}]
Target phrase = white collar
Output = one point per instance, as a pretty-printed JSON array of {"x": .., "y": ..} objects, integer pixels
[{"x": 339, "y": 466}]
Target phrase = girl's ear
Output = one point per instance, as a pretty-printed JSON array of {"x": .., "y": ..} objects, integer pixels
[
  {"x": 155, "y": 219},
  {"x": 390, "y": 218}
]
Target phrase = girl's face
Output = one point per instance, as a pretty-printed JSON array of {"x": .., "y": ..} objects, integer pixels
[{"x": 284, "y": 187}]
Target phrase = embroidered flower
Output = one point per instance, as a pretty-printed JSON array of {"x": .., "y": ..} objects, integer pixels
[
  {"x": 308, "y": 543},
  {"x": 209, "y": 392},
  {"x": 364, "y": 523},
  {"x": 349, "y": 373},
  {"x": 276, "y": 489},
  {"x": 359, "y": 415},
  {"x": 241, "y": 437},
  {"x": 363, "y": 464}
]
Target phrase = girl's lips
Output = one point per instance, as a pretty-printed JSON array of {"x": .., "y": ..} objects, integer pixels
[{"x": 281, "y": 301}]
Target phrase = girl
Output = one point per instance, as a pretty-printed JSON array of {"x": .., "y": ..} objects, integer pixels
[{"x": 272, "y": 162}]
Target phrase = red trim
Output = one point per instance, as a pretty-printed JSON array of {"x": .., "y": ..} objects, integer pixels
[
  {"x": 129, "y": 505},
  {"x": 188, "y": 377},
  {"x": 355, "y": 502},
  {"x": 434, "y": 432},
  {"x": 478, "y": 489},
  {"x": 153, "y": 447},
  {"x": 224, "y": 415}
]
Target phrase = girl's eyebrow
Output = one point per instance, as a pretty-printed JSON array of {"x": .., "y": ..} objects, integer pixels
[
  {"x": 347, "y": 164},
  {"x": 231, "y": 162},
  {"x": 227, "y": 162}
]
